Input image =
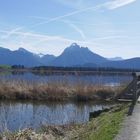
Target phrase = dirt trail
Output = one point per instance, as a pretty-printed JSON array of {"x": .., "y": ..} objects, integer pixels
[{"x": 131, "y": 126}]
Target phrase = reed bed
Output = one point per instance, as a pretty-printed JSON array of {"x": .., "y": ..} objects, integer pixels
[{"x": 56, "y": 90}]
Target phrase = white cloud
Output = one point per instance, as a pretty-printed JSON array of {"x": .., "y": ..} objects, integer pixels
[
  {"x": 80, "y": 4},
  {"x": 111, "y": 5},
  {"x": 11, "y": 32},
  {"x": 76, "y": 28},
  {"x": 67, "y": 15},
  {"x": 118, "y": 3}
]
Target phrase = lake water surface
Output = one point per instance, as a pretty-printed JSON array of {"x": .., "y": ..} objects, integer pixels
[
  {"x": 20, "y": 115},
  {"x": 98, "y": 79}
]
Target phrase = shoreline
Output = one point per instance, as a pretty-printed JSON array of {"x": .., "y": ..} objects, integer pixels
[
  {"x": 50, "y": 70},
  {"x": 105, "y": 126}
]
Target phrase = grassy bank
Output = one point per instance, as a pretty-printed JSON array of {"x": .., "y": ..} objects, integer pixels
[
  {"x": 5, "y": 67},
  {"x": 104, "y": 127},
  {"x": 56, "y": 91}
]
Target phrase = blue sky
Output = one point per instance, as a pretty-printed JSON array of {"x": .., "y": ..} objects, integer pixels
[{"x": 107, "y": 27}]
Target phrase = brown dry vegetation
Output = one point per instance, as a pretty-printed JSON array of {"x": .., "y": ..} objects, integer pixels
[{"x": 55, "y": 90}]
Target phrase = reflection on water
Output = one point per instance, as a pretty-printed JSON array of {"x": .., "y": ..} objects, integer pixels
[
  {"x": 19, "y": 115},
  {"x": 98, "y": 79}
]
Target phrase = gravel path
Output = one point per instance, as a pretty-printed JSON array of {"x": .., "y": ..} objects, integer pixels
[{"x": 131, "y": 126}]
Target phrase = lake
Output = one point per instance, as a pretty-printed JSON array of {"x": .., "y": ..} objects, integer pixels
[
  {"x": 20, "y": 115},
  {"x": 97, "y": 79}
]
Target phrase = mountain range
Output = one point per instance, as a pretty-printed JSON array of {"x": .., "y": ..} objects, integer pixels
[{"x": 74, "y": 55}]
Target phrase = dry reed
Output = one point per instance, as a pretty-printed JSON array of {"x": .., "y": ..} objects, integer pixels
[{"x": 55, "y": 90}]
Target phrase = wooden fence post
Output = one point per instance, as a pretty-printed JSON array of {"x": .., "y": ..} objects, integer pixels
[{"x": 135, "y": 89}]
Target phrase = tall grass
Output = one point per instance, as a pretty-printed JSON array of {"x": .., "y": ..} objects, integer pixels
[{"x": 55, "y": 90}]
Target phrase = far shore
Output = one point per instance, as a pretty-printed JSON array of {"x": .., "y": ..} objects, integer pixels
[{"x": 49, "y": 70}]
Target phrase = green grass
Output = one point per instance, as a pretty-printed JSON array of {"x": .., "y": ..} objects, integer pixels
[
  {"x": 5, "y": 67},
  {"x": 105, "y": 127}
]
